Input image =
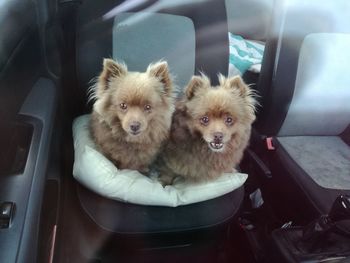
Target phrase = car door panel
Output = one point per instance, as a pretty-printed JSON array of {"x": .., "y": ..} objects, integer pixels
[{"x": 28, "y": 110}]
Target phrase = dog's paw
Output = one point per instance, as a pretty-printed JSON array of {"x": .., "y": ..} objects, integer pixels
[
  {"x": 231, "y": 170},
  {"x": 144, "y": 170},
  {"x": 166, "y": 179}
]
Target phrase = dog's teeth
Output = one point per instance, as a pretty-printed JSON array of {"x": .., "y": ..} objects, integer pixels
[{"x": 216, "y": 145}]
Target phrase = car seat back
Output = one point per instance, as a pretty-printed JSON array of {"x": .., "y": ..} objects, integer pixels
[
  {"x": 192, "y": 37},
  {"x": 249, "y": 18},
  {"x": 304, "y": 77}
]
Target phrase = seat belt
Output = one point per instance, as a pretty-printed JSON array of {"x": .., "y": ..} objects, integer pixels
[{"x": 68, "y": 19}]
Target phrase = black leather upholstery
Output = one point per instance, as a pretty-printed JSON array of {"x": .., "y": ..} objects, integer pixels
[{"x": 126, "y": 218}]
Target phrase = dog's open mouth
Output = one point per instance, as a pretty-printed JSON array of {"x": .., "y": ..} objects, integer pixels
[
  {"x": 216, "y": 146},
  {"x": 135, "y": 133}
]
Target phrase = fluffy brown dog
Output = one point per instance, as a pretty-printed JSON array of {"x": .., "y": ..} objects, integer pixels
[
  {"x": 210, "y": 130},
  {"x": 132, "y": 113}
]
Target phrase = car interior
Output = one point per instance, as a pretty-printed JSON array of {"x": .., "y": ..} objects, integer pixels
[{"x": 295, "y": 204}]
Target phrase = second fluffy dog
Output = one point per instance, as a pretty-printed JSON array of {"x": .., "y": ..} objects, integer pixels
[{"x": 210, "y": 130}]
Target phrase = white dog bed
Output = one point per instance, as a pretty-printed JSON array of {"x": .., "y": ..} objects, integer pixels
[{"x": 97, "y": 173}]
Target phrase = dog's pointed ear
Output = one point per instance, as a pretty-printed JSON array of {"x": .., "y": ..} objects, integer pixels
[
  {"x": 196, "y": 83},
  {"x": 160, "y": 70},
  {"x": 237, "y": 83},
  {"x": 111, "y": 69}
]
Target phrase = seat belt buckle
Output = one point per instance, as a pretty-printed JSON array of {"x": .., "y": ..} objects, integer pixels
[{"x": 269, "y": 144}]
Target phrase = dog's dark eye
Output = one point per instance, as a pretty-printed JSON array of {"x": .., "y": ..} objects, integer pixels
[
  {"x": 229, "y": 120},
  {"x": 148, "y": 107},
  {"x": 204, "y": 120},
  {"x": 123, "y": 106}
]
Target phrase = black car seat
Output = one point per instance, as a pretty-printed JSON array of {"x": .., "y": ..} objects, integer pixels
[
  {"x": 305, "y": 115},
  {"x": 192, "y": 37},
  {"x": 249, "y": 18}
]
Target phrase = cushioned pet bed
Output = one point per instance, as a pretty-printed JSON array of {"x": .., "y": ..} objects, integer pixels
[{"x": 97, "y": 173}]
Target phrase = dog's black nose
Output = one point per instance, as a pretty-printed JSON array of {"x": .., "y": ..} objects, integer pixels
[
  {"x": 135, "y": 126},
  {"x": 218, "y": 136}
]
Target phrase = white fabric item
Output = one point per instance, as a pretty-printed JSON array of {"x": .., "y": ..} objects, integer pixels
[{"x": 97, "y": 173}]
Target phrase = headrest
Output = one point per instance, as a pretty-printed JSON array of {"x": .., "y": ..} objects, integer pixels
[{"x": 142, "y": 38}]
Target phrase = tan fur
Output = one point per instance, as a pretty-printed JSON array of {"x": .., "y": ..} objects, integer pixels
[
  {"x": 111, "y": 124},
  {"x": 188, "y": 153}
]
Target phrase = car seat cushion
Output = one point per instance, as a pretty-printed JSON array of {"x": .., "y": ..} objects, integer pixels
[
  {"x": 326, "y": 159},
  {"x": 97, "y": 173},
  {"x": 320, "y": 167},
  {"x": 127, "y": 218}
]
